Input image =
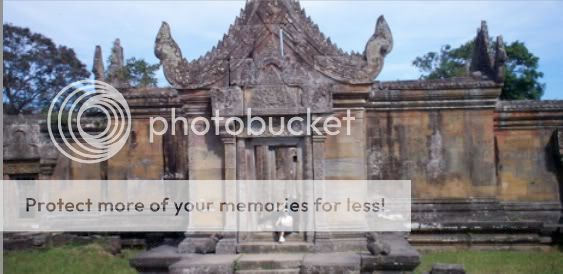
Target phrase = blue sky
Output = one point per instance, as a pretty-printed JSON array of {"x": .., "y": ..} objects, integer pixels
[{"x": 417, "y": 26}]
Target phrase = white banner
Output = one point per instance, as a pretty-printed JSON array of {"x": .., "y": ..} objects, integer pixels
[{"x": 212, "y": 206}]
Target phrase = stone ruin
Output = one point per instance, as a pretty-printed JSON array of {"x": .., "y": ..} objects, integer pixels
[{"x": 485, "y": 173}]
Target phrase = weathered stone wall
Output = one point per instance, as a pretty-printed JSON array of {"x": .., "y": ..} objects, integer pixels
[
  {"x": 438, "y": 134},
  {"x": 345, "y": 155},
  {"x": 446, "y": 153},
  {"x": 529, "y": 166},
  {"x": 139, "y": 158},
  {"x": 206, "y": 157},
  {"x": 460, "y": 143}
]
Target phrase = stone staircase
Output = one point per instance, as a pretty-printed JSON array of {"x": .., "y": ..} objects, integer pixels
[
  {"x": 262, "y": 254},
  {"x": 273, "y": 247},
  {"x": 272, "y": 263}
]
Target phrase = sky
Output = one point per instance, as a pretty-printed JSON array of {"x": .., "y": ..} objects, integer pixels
[{"x": 417, "y": 26}]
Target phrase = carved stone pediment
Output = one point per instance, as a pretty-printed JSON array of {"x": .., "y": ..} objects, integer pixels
[
  {"x": 269, "y": 71},
  {"x": 273, "y": 33},
  {"x": 227, "y": 101},
  {"x": 271, "y": 100}
]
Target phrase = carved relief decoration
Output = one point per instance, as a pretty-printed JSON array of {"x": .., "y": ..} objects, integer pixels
[
  {"x": 228, "y": 101},
  {"x": 269, "y": 40}
]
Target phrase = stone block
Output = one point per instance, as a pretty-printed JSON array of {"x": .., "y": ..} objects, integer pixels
[
  {"x": 402, "y": 256},
  {"x": 157, "y": 260},
  {"x": 269, "y": 261},
  {"x": 194, "y": 245},
  {"x": 331, "y": 263},
  {"x": 196, "y": 264},
  {"x": 226, "y": 246},
  {"x": 447, "y": 269},
  {"x": 62, "y": 239}
]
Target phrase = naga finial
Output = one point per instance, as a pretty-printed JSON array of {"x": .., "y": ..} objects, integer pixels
[
  {"x": 378, "y": 46},
  {"x": 169, "y": 53}
]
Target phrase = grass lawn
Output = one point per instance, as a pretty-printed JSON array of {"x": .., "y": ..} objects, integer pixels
[
  {"x": 83, "y": 259},
  {"x": 497, "y": 262},
  {"x": 94, "y": 259}
]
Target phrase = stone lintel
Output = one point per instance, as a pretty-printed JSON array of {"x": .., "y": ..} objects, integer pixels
[
  {"x": 424, "y": 95},
  {"x": 529, "y": 114},
  {"x": 147, "y": 102},
  {"x": 530, "y": 106},
  {"x": 439, "y": 84}
]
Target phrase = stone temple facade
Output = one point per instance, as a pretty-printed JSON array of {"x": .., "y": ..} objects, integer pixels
[{"x": 485, "y": 173}]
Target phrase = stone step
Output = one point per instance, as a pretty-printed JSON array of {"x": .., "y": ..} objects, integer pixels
[
  {"x": 274, "y": 247},
  {"x": 269, "y": 236},
  {"x": 270, "y": 271},
  {"x": 269, "y": 261}
]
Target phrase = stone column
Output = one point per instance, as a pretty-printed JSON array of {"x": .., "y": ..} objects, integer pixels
[
  {"x": 323, "y": 240},
  {"x": 227, "y": 245},
  {"x": 262, "y": 166},
  {"x": 241, "y": 160},
  {"x": 307, "y": 158},
  {"x": 318, "y": 157},
  {"x": 308, "y": 175},
  {"x": 230, "y": 157}
]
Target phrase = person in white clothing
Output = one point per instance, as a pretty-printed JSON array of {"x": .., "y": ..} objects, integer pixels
[{"x": 284, "y": 224}]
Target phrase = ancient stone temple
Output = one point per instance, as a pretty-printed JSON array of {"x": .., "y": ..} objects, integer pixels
[{"x": 485, "y": 173}]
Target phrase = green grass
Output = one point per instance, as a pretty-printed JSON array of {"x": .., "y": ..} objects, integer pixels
[
  {"x": 94, "y": 259},
  {"x": 83, "y": 259},
  {"x": 497, "y": 262}
]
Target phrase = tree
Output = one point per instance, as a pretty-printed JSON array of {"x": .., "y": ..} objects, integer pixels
[
  {"x": 35, "y": 70},
  {"x": 136, "y": 72},
  {"x": 522, "y": 77},
  {"x": 140, "y": 73}
]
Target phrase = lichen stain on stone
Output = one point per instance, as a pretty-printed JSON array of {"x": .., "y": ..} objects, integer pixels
[
  {"x": 375, "y": 162},
  {"x": 436, "y": 164}
]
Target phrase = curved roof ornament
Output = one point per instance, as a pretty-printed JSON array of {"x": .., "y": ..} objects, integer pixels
[
  {"x": 250, "y": 37},
  {"x": 170, "y": 55},
  {"x": 360, "y": 69},
  {"x": 378, "y": 46}
]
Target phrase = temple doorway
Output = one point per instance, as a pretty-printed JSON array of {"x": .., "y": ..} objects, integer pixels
[{"x": 274, "y": 159}]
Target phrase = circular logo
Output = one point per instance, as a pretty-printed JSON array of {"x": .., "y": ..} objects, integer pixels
[{"x": 72, "y": 110}]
